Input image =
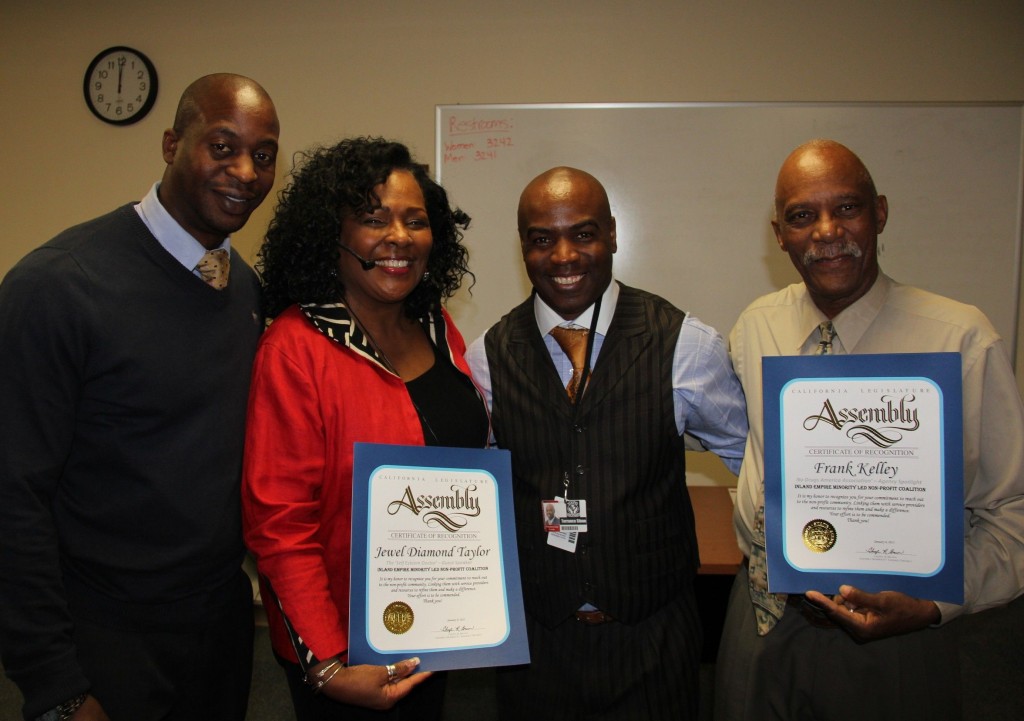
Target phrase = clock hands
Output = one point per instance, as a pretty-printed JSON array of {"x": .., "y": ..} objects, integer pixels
[{"x": 126, "y": 98}]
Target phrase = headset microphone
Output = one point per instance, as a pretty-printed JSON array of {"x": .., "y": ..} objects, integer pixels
[{"x": 367, "y": 264}]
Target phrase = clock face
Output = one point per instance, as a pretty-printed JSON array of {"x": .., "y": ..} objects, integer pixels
[{"x": 120, "y": 86}]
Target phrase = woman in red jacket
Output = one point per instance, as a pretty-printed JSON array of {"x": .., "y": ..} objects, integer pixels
[{"x": 362, "y": 250}]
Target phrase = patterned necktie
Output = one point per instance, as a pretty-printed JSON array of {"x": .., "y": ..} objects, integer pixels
[
  {"x": 827, "y": 334},
  {"x": 214, "y": 268},
  {"x": 574, "y": 342},
  {"x": 769, "y": 607}
]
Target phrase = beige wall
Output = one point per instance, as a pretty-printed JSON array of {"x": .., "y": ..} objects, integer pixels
[{"x": 338, "y": 68}]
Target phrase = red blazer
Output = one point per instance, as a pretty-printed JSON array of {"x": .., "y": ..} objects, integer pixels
[{"x": 311, "y": 399}]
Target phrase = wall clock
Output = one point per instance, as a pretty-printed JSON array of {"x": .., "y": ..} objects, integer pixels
[{"x": 120, "y": 86}]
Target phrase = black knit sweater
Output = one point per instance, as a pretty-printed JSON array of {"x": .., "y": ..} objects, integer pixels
[{"x": 123, "y": 389}]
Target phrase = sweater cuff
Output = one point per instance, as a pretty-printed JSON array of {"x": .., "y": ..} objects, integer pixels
[{"x": 46, "y": 686}]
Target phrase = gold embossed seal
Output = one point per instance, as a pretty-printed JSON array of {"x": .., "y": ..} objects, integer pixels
[
  {"x": 398, "y": 617},
  {"x": 819, "y": 535}
]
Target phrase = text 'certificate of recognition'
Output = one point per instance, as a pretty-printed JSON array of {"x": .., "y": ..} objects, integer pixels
[
  {"x": 864, "y": 473},
  {"x": 435, "y": 569}
]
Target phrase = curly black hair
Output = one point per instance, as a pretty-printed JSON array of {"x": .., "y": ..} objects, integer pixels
[{"x": 299, "y": 257}]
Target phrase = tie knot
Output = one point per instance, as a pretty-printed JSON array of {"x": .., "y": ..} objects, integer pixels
[
  {"x": 214, "y": 268},
  {"x": 573, "y": 341}
]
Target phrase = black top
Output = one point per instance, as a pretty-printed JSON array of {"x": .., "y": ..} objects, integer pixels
[{"x": 449, "y": 408}]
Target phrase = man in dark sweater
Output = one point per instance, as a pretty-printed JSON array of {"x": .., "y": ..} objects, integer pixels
[
  {"x": 125, "y": 355},
  {"x": 611, "y": 614}
]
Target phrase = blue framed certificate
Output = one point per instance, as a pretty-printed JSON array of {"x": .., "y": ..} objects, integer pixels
[
  {"x": 435, "y": 567},
  {"x": 864, "y": 473}
]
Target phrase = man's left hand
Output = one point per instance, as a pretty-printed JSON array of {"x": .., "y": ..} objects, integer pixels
[{"x": 873, "y": 616}]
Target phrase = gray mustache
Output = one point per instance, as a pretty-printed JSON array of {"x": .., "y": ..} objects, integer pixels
[{"x": 832, "y": 250}]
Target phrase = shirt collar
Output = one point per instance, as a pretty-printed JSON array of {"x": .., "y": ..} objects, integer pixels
[
  {"x": 336, "y": 324},
  {"x": 175, "y": 240},
  {"x": 851, "y": 324},
  {"x": 547, "y": 318}
]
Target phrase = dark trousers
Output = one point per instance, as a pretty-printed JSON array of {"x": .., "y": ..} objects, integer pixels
[
  {"x": 425, "y": 703},
  {"x": 195, "y": 673},
  {"x": 648, "y": 671},
  {"x": 803, "y": 672}
]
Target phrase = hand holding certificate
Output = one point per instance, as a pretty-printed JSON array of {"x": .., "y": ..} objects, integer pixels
[
  {"x": 870, "y": 616},
  {"x": 863, "y": 466},
  {"x": 365, "y": 685},
  {"x": 435, "y": 568}
]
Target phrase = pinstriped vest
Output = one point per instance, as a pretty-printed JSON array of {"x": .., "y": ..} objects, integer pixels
[{"x": 623, "y": 454}]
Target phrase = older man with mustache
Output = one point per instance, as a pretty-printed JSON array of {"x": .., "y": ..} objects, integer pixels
[{"x": 859, "y": 655}]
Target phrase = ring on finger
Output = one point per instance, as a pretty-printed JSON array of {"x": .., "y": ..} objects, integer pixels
[{"x": 392, "y": 672}]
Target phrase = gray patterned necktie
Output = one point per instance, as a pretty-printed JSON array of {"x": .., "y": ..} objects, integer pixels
[
  {"x": 827, "y": 334},
  {"x": 769, "y": 607}
]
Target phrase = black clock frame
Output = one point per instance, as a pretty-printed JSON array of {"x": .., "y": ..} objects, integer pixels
[{"x": 146, "y": 106}]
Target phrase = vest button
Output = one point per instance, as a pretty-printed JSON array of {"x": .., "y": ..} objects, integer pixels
[
  {"x": 579, "y": 470},
  {"x": 578, "y": 429}
]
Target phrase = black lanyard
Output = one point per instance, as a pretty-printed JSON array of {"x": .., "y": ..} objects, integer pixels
[
  {"x": 584, "y": 376},
  {"x": 585, "y": 373}
]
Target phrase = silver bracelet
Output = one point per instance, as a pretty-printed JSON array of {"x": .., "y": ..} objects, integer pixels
[
  {"x": 316, "y": 680},
  {"x": 63, "y": 711},
  {"x": 318, "y": 686}
]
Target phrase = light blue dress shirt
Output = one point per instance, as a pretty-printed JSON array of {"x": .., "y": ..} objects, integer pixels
[{"x": 175, "y": 240}]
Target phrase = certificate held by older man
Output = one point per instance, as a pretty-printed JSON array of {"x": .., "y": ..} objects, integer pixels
[
  {"x": 864, "y": 473},
  {"x": 435, "y": 568}
]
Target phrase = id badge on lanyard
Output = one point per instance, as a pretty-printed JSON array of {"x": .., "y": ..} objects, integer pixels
[{"x": 565, "y": 518}]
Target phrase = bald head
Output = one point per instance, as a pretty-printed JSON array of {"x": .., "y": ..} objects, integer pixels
[
  {"x": 818, "y": 158},
  {"x": 567, "y": 234},
  {"x": 827, "y": 217},
  {"x": 218, "y": 88},
  {"x": 563, "y": 185}
]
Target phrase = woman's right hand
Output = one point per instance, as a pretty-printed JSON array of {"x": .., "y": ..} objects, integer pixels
[
  {"x": 369, "y": 686},
  {"x": 90, "y": 711}
]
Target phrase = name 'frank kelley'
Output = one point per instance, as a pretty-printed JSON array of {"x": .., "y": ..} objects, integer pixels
[{"x": 856, "y": 469}]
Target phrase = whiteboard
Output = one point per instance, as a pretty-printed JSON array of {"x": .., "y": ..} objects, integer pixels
[{"x": 691, "y": 186}]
